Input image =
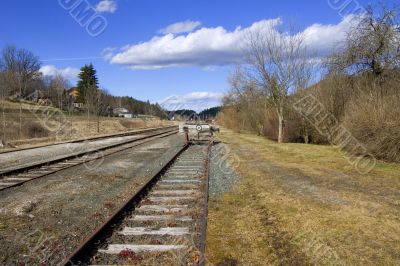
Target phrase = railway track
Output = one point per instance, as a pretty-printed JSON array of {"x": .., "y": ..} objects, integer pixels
[
  {"x": 122, "y": 134},
  {"x": 164, "y": 223},
  {"x": 19, "y": 175}
]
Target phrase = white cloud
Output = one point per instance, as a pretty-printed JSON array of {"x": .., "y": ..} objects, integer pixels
[
  {"x": 197, "y": 101},
  {"x": 181, "y": 27},
  {"x": 323, "y": 38},
  {"x": 108, "y": 53},
  {"x": 68, "y": 73},
  {"x": 106, "y": 6},
  {"x": 217, "y": 46}
]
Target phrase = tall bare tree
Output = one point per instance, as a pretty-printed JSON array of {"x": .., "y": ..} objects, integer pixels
[
  {"x": 58, "y": 87},
  {"x": 277, "y": 60}
]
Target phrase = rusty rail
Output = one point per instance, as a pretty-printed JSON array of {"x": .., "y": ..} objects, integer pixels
[
  {"x": 120, "y": 134},
  {"x": 202, "y": 247},
  {"x": 86, "y": 249},
  {"x": 103, "y": 231},
  {"x": 73, "y": 156}
]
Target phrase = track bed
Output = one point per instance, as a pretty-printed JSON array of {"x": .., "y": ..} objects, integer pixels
[{"x": 163, "y": 224}]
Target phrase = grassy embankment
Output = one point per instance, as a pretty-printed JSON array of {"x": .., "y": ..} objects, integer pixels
[
  {"x": 303, "y": 204},
  {"x": 41, "y": 124}
]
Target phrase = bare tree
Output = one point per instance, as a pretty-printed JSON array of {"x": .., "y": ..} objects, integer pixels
[
  {"x": 89, "y": 101},
  {"x": 372, "y": 45},
  {"x": 58, "y": 87},
  {"x": 21, "y": 67},
  {"x": 276, "y": 62},
  {"x": 245, "y": 95}
]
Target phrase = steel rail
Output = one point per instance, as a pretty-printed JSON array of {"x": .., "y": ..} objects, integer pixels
[
  {"x": 73, "y": 155},
  {"x": 121, "y": 134},
  {"x": 81, "y": 253},
  {"x": 202, "y": 248},
  {"x": 151, "y": 137}
]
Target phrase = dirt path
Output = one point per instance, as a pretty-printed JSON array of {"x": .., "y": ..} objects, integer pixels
[{"x": 303, "y": 204}]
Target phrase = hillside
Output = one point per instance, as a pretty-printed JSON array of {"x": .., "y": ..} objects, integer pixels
[
  {"x": 40, "y": 124},
  {"x": 210, "y": 112}
]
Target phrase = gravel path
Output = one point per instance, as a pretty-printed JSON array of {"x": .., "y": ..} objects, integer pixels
[
  {"x": 14, "y": 159},
  {"x": 222, "y": 176},
  {"x": 44, "y": 220}
]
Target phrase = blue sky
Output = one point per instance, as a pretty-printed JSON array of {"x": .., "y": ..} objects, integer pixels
[{"x": 138, "y": 55}]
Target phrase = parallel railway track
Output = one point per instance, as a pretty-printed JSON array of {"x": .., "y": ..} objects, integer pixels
[
  {"x": 164, "y": 223},
  {"x": 17, "y": 176},
  {"x": 107, "y": 136}
]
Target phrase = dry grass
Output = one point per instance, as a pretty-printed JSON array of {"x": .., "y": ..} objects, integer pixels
[
  {"x": 43, "y": 124},
  {"x": 303, "y": 204}
]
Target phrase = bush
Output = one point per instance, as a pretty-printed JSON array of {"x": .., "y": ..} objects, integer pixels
[
  {"x": 374, "y": 120},
  {"x": 35, "y": 130}
]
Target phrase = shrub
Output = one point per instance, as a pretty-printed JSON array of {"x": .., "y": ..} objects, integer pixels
[
  {"x": 374, "y": 121},
  {"x": 35, "y": 130}
]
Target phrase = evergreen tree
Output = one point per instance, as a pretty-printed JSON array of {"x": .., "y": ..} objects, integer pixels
[{"x": 87, "y": 83}]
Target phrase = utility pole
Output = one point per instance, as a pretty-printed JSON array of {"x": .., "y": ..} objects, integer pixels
[
  {"x": 20, "y": 107},
  {"x": 97, "y": 111},
  {"x": 4, "y": 117}
]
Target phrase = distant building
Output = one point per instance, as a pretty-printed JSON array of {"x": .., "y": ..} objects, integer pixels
[
  {"x": 73, "y": 93},
  {"x": 119, "y": 111},
  {"x": 77, "y": 105},
  {"x": 128, "y": 115},
  {"x": 122, "y": 112}
]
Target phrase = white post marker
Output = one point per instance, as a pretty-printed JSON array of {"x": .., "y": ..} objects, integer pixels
[{"x": 198, "y": 128}]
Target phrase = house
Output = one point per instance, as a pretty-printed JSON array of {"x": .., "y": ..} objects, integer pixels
[
  {"x": 122, "y": 112},
  {"x": 73, "y": 93},
  {"x": 128, "y": 115}
]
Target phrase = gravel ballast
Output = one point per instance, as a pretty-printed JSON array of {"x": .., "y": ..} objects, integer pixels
[
  {"x": 222, "y": 175},
  {"x": 42, "y": 221},
  {"x": 42, "y": 154}
]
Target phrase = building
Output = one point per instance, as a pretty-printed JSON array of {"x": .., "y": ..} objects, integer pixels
[
  {"x": 122, "y": 112},
  {"x": 73, "y": 93}
]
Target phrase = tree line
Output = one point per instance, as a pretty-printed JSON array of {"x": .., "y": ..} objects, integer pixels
[
  {"x": 21, "y": 80},
  {"x": 358, "y": 84}
]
